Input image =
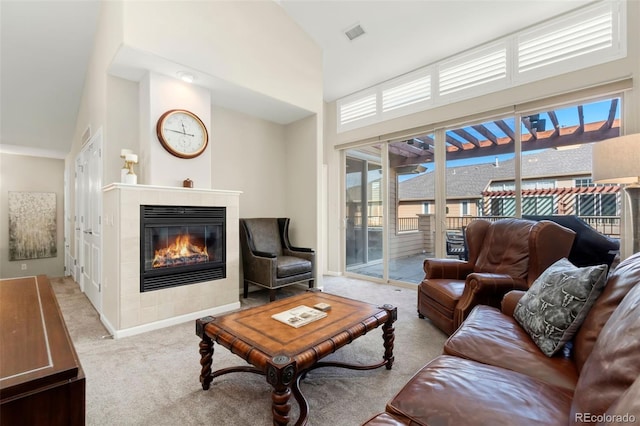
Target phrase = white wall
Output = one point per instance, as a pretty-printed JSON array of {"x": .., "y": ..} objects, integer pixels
[
  {"x": 31, "y": 174},
  {"x": 303, "y": 181},
  {"x": 123, "y": 124},
  {"x": 249, "y": 155},
  {"x": 159, "y": 94},
  {"x": 334, "y": 188}
]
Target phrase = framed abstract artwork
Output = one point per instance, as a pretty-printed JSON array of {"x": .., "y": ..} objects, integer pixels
[{"x": 32, "y": 225}]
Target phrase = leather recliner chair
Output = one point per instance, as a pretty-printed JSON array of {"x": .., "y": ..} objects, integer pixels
[
  {"x": 505, "y": 255},
  {"x": 268, "y": 258}
]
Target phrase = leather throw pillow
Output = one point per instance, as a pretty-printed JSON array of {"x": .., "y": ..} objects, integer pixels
[{"x": 557, "y": 302}]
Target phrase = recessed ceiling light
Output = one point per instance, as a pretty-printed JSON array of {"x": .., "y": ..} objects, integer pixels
[
  {"x": 354, "y": 32},
  {"x": 186, "y": 76}
]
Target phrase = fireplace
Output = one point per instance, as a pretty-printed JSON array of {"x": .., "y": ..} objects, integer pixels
[{"x": 181, "y": 245}]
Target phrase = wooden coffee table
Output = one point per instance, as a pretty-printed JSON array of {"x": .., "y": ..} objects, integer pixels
[{"x": 285, "y": 354}]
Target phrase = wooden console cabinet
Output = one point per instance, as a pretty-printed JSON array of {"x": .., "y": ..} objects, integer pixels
[{"x": 41, "y": 379}]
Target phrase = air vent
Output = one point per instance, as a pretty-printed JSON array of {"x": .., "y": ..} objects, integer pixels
[{"x": 354, "y": 32}]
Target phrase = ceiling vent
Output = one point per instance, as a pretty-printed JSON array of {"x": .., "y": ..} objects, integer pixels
[{"x": 354, "y": 32}]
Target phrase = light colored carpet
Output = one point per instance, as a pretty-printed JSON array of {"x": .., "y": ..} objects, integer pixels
[{"x": 153, "y": 378}]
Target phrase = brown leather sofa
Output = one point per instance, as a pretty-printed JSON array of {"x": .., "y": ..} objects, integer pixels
[
  {"x": 492, "y": 373},
  {"x": 504, "y": 255}
]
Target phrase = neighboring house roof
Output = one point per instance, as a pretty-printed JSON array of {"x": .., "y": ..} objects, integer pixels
[{"x": 472, "y": 180}]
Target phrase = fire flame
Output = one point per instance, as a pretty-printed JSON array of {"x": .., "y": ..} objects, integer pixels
[{"x": 181, "y": 252}]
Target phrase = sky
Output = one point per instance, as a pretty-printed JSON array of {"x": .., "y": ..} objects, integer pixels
[{"x": 567, "y": 116}]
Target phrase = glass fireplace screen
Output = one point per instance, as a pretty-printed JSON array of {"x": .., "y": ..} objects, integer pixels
[{"x": 187, "y": 245}]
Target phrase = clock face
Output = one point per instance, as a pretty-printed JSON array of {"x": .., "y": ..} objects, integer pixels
[{"x": 182, "y": 133}]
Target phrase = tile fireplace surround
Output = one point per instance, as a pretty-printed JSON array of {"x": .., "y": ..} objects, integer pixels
[{"x": 125, "y": 310}]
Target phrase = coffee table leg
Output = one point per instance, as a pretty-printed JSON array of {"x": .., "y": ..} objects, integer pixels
[
  {"x": 281, "y": 372},
  {"x": 388, "y": 335},
  {"x": 206, "y": 352}
]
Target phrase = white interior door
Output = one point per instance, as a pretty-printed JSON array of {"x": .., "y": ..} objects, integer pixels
[
  {"x": 68, "y": 258},
  {"x": 77, "y": 234},
  {"x": 89, "y": 199}
]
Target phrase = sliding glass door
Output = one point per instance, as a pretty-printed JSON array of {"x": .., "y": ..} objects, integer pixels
[
  {"x": 364, "y": 213},
  {"x": 531, "y": 163},
  {"x": 411, "y": 207}
]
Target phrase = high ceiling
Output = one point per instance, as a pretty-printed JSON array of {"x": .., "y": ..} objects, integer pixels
[
  {"x": 45, "y": 47},
  {"x": 403, "y": 35}
]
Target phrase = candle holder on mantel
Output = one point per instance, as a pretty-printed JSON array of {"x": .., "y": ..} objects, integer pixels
[
  {"x": 131, "y": 177},
  {"x": 125, "y": 166}
]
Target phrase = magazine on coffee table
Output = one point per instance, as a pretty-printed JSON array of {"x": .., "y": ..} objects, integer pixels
[{"x": 299, "y": 316}]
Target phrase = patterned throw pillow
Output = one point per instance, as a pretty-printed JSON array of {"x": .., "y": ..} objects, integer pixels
[{"x": 557, "y": 302}]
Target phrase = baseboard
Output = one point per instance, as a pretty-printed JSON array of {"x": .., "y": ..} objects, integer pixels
[
  {"x": 157, "y": 325},
  {"x": 110, "y": 328}
]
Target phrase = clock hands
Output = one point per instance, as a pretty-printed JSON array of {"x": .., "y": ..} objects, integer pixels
[{"x": 181, "y": 132}]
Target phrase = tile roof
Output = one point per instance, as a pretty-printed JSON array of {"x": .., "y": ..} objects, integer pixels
[{"x": 472, "y": 180}]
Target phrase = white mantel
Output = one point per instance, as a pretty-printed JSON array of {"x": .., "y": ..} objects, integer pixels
[{"x": 125, "y": 310}]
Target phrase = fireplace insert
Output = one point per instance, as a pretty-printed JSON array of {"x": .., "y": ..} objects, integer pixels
[{"x": 181, "y": 245}]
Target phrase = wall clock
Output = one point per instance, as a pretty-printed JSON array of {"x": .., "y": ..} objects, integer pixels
[{"x": 182, "y": 133}]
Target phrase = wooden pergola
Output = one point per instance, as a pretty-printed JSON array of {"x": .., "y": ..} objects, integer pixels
[{"x": 420, "y": 149}]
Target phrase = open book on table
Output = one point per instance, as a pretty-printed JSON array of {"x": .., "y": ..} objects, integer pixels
[{"x": 299, "y": 316}]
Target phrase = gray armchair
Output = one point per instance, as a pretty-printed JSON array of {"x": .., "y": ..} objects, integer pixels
[{"x": 268, "y": 258}]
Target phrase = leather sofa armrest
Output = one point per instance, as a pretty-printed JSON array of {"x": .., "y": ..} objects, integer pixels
[
  {"x": 485, "y": 289},
  {"x": 446, "y": 268},
  {"x": 388, "y": 419},
  {"x": 510, "y": 300}
]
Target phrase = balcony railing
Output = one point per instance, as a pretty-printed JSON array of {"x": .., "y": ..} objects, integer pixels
[
  {"x": 406, "y": 224},
  {"x": 607, "y": 225}
]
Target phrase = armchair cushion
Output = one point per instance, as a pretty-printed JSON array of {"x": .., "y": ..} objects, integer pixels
[
  {"x": 554, "y": 307},
  {"x": 289, "y": 265},
  {"x": 445, "y": 291}
]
